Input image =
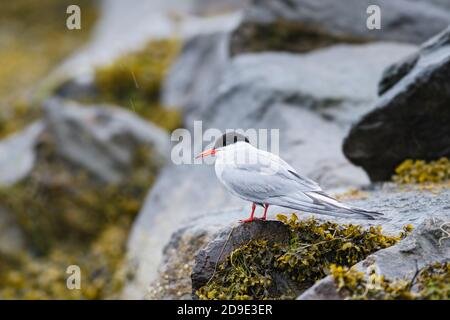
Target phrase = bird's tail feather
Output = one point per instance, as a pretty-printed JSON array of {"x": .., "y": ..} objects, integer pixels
[{"x": 326, "y": 205}]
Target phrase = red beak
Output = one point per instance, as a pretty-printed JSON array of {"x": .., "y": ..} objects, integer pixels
[{"x": 206, "y": 153}]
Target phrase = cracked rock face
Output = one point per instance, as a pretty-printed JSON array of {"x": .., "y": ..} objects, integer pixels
[{"x": 412, "y": 114}]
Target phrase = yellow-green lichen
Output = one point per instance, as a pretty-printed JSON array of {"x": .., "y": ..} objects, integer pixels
[
  {"x": 420, "y": 171},
  {"x": 134, "y": 81},
  {"x": 431, "y": 283},
  {"x": 70, "y": 218},
  {"x": 249, "y": 272}
]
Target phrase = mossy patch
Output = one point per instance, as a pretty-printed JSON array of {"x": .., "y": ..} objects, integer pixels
[
  {"x": 134, "y": 81},
  {"x": 420, "y": 171},
  {"x": 33, "y": 40},
  {"x": 253, "y": 270},
  {"x": 430, "y": 283},
  {"x": 68, "y": 217},
  {"x": 283, "y": 35}
]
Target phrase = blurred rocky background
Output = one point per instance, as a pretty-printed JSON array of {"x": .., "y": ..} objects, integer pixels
[{"x": 85, "y": 123}]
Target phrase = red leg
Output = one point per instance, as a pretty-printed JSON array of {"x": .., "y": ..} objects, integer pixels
[
  {"x": 266, "y": 206},
  {"x": 251, "y": 215}
]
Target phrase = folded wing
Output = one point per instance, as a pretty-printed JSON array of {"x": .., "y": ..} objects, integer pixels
[{"x": 271, "y": 180}]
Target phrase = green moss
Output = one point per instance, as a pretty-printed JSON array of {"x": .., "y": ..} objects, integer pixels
[
  {"x": 285, "y": 35},
  {"x": 431, "y": 283},
  {"x": 33, "y": 40},
  {"x": 70, "y": 218},
  {"x": 420, "y": 171},
  {"x": 134, "y": 81},
  {"x": 249, "y": 272}
]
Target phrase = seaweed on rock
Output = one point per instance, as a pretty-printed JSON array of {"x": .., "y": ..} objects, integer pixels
[
  {"x": 420, "y": 171},
  {"x": 253, "y": 270},
  {"x": 431, "y": 283}
]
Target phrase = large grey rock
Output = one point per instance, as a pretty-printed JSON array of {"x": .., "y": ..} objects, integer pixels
[
  {"x": 206, "y": 57},
  {"x": 17, "y": 154},
  {"x": 302, "y": 25},
  {"x": 102, "y": 139},
  {"x": 412, "y": 114},
  {"x": 312, "y": 99},
  {"x": 426, "y": 245},
  {"x": 401, "y": 206}
]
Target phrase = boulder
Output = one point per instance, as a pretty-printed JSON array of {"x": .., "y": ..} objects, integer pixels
[
  {"x": 412, "y": 114},
  {"x": 426, "y": 245},
  {"x": 17, "y": 153},
  {"x": 303, "y": 25},
  {"x": 102, "y": 139},
  {"x": 279, "y": 91}
]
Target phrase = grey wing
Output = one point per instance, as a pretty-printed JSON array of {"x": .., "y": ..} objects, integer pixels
[
  {"x": 267, "y": 179},
  {"x": 273, "y": 181}
]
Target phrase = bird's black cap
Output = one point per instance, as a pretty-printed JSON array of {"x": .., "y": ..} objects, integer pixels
[{"x": 230, "y": 138}]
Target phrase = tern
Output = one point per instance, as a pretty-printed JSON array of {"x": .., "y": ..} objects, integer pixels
[{"x": 264, "y": 179}]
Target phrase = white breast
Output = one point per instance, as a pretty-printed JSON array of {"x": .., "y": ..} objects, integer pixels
[{"x": 228, "y": 157}]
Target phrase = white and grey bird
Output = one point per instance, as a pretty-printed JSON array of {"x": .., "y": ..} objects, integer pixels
[{"x": 265, "y": 179}]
